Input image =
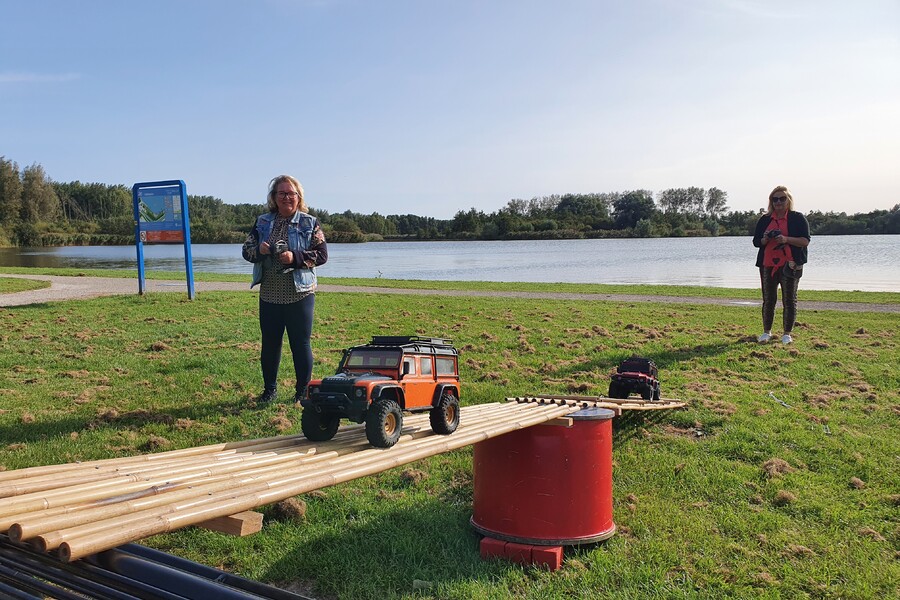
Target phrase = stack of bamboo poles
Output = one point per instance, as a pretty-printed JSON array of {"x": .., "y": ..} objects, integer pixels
[{"x": 79, "y": 509}]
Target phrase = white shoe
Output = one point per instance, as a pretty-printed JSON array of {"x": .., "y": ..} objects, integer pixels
[
  {"x": 764, "y": 338},
  {"x": 786, "y": 339}
]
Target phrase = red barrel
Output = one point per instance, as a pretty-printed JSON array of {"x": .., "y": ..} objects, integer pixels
[{"x": 547, "y": 484}]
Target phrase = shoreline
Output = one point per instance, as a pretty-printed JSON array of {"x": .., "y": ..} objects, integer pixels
[{"x": 64, "y": 288}]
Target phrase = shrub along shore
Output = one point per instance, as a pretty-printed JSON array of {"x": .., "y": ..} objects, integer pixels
[{"x": 780, "y": 479}]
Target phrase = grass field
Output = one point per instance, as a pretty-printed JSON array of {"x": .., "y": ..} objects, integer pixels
[{"x": 779, "y": 480}]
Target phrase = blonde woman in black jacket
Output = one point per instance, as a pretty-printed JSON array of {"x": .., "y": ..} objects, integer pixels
[{"x": 782, "y": 236}]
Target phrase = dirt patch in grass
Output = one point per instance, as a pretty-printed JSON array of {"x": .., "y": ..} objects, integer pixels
[
  {"x": 413, "y": 476},
  {"x": 290, "y": 509},
  {"x": 784, "y": 498},
  {"x": 776, "y": 467}
]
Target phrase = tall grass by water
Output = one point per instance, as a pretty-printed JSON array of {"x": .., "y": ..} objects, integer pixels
[{"x": 780, "y": 479}]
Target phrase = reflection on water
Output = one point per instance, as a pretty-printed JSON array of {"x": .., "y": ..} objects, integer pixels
[{"x": 870, "y": 263}]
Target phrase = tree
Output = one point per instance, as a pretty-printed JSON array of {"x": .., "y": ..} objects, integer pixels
[
  {"x": 471, "y": 221},
  {"x": 633, "y": 207},
  {"x": 10, "y": 192},
  {"x": 715, "y": 202},
  {"x": 39, "y": 200},
  {"x": 343, "y": 223},
  {"x": 673, "y": 200}
]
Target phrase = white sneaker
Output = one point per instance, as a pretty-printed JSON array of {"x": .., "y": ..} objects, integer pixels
[
  {"x": 764, "y": 338},
  {"x": 786, "y": 339}
]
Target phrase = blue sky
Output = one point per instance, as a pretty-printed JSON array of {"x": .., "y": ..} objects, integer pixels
[{"x": 434, "y": 106}]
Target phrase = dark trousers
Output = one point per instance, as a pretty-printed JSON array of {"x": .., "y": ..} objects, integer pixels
[
  {"x": 788, "y": 283},
  {"x": 297, "y": 319}
]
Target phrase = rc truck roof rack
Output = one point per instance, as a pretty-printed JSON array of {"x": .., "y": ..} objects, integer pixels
[{"x": 400, "y": 340}]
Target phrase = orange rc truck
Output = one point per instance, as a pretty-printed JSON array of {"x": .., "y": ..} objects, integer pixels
[{"x": 376, "y": 382}]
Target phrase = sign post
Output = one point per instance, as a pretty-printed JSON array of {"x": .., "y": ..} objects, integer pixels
[{"x": 161, "y": 217}]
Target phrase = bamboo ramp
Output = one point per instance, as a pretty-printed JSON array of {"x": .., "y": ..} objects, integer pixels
[{"x": 79, "y": 509}]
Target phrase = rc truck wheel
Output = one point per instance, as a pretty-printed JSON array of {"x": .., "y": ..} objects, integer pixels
[
  {"x": 656, "y": 393},
  {"x": 647, "y": 391},
  {"x": 383, "y": 423},
  {"x": 318, "y": 427},
  {"x": 617, "y": 390},
  {"x": 445, "y": 416}
]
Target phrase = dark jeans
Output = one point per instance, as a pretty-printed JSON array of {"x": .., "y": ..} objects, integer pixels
[
  {"x": 788, "y": 279},
  {"x": 297, "y": 319}
]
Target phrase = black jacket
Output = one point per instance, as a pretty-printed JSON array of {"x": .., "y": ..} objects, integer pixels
[{"x": 798, "y": 226}]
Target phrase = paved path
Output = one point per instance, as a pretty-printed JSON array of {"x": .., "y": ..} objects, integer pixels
[{"x": 71, "y": 288}]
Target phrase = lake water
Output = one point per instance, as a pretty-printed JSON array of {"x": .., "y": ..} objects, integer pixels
[{"x": 867, "y": 263}]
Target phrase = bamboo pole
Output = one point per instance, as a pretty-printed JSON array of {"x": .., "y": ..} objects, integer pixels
[
  {"x": 123, "y": 483},
  {"x": 20, "y": 531},
  {"x": 226, "y": 446},
  {"x": 127, "y": 466},
  {"x": 27, "y": 528},
  {"x": 32, "y": 524},
  {"x": 95, "y": 492},
  {"x": 370, "y": 455}
]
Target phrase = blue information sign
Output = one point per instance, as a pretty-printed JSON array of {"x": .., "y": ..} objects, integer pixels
[{"x": 161, "y": 217}]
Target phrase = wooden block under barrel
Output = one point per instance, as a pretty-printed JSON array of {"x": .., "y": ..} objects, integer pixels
[{"x": 240, "y": 524}]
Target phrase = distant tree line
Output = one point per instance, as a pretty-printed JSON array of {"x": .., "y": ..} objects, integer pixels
[{"x": 36, "y": 211}]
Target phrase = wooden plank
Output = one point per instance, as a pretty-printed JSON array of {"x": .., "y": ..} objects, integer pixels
[
  {"x": 561, "y": 421},
  {"x": 240, "y": 524}
]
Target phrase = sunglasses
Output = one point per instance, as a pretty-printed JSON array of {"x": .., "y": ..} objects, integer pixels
[{"x": 779, "y": 199}]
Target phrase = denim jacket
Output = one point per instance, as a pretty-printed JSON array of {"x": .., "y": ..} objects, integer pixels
[{"x": 300, "y": 232}]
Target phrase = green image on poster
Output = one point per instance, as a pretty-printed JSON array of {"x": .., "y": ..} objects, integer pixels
[{"x": 152, "y": 209}]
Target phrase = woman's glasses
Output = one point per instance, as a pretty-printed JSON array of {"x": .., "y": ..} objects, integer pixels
[
  {"x": 291, "y": 195},
  {"x": 779, "y": 199}
]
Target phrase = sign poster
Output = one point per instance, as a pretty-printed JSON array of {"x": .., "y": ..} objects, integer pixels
[{"x": 160, "y": 218}]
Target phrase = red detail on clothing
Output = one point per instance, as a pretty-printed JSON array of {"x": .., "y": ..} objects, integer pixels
[{"x": 777, "y": 255}]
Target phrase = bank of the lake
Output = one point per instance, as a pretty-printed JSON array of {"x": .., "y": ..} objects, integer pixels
[{"x": 864, "y": 263}]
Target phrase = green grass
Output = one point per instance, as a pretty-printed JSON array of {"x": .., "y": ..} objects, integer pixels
[
  {"x": 10, "y": 285},
  {"x": 658, "y": 290},
  {"x": 702, "y": 509}
]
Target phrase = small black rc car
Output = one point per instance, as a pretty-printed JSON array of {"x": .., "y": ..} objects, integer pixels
[
  {"x": 636, "y": 375},
  {"x": 376, "y": 382}
]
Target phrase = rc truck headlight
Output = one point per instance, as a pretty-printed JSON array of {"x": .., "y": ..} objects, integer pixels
[{"x": 360, "y": 392}]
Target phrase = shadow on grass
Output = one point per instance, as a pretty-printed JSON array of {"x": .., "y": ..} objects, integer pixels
[
  {"x": 41, "y": 430},
  {"x": 632, "y": 423},
  {"x": 403, "y": 551},
  {"x": 664, "y": 359}
]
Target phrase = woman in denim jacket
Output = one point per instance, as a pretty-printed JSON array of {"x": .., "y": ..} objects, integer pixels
[{"x": 285, "y": 246}]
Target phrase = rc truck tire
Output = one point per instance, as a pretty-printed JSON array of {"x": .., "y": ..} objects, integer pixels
[
  {"x": 617, "y": 390},
  {"x": 384, "y": 420},
  {"x": 656, "y": 393},
  {"x": 647, "y": 391},
  {"x": 445, "y": 416},
  {"x": 318, "y": 427}
]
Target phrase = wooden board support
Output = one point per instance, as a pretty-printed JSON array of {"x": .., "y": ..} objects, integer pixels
[
  {"x": 240, "y": 524},
  {"x": 561, "y": 421}
]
